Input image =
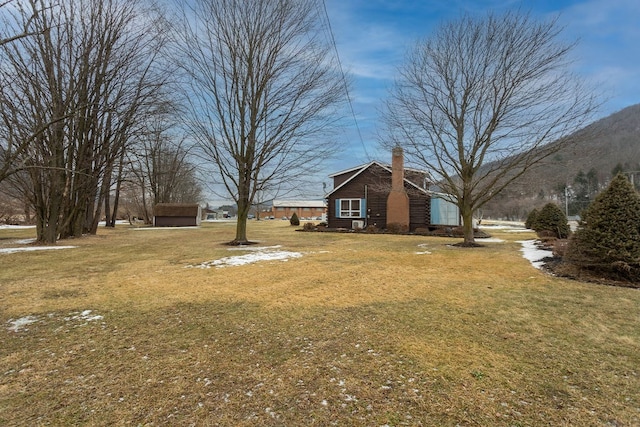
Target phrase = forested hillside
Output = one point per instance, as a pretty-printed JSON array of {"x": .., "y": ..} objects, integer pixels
[{"x": 605, "y": 147}]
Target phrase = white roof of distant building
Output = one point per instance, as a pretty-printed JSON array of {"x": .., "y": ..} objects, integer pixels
[{"x": 299, "y": 203}]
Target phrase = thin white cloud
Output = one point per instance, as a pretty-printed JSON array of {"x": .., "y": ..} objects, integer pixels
[{"x": 609, "y": 46}]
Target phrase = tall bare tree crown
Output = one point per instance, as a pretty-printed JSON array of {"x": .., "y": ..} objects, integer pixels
[
  {"x": 263, "y": 91},
  {"x": 485, "y": 98}
]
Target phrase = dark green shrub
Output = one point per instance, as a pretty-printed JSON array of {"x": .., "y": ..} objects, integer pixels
[
  {"x": 294, "y": 219},
  {"x": 551, "y": 221},
  {"x": 608, "y": 240},
  {"x": 531, "y": 219},
  {"x": 309, "y": 226}
]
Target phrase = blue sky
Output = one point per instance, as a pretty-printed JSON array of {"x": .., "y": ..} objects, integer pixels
[{"x": 373, "y": 36}]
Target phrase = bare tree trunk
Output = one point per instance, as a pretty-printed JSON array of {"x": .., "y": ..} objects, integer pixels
[
  {"x": 116, "y": 199},
  {"x": 107, "y": 208}
]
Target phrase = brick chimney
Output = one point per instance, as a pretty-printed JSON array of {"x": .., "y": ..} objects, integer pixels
[{"x": 398, "y": 200}]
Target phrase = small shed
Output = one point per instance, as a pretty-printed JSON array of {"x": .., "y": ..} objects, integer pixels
[{"x": 176, "y": 215}]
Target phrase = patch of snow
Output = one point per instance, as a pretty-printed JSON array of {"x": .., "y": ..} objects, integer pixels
[
  {"x": 19, "y": 324},
  {"x": 33, "y": 248},
  {"x": 490, "y": 240},
  {"x": 86, "y": 316},
  {"x": 119, "y": 221},
  {"x": 423, "y": 245},
  {"x": 25, "y": 241},
  {"x": 507, "y": 227},
  {"x": 253, "y": 248},
  {"x": 257, "y": 253},
  {"x": 533, "y": 253},
  {"x": 168, "y": 228},
  {"x": 498, "y": 226},
  {"x": 15, "y": 227}
]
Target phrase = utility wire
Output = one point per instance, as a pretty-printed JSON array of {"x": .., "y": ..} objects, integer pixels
[{"x": 344, "y": 78}]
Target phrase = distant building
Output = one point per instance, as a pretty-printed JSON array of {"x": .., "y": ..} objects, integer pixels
[
  {"x": 176, "y": 215},
  {"x": 304, "y": 209}
]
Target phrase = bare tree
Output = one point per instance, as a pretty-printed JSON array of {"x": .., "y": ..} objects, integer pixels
[
  {"x": 483, "y": 100},
  {"x": 72, "y": 96},
  {"x": 263, "y": 88},
  {"x": 11, "y": 149},
  {"x": 162, "y": 167},
  {"x": 21, "y": 33}
]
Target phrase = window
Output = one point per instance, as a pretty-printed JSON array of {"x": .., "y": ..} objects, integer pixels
[{"x": 349, "y": 208}]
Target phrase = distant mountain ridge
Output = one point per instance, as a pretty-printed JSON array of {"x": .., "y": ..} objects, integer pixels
[{"x": 602, "y": 146}]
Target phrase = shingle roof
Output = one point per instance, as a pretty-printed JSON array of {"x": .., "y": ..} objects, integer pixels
[{"x": 176, "y": 209}]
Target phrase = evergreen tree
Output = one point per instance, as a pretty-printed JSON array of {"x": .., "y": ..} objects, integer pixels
[
  {"x": 618, "y": 168},
  {"x": 552, "y": 220},
  {"x": 530, "y": 223},
  {"x": 608, "y": 240},
  {"x": 294, "y": 219}
]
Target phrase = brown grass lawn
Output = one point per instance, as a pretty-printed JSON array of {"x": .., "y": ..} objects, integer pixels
[{"x": 360, "y": 330}]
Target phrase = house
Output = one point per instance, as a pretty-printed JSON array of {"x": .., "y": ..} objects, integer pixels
[
  {"x": 176, "y": 215},
  {"x": 280, "y": 209},
  {"x": 377, "y": 194}
]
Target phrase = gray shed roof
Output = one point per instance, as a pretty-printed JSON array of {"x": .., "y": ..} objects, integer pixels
[{"x": 176, "y": 209}]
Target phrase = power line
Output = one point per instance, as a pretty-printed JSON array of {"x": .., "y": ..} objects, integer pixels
[{"x": 344, "y": 79}]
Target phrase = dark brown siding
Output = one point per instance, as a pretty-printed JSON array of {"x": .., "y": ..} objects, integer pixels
[
  {"x": 366, "y": 185},
  {"x": 377, "y": 208},
  {"x": 175, "y": 221},
  {"x": 374, "y": 184},
  {"x": 339, "y": 179},
  {"x": 419, "y": 215}
]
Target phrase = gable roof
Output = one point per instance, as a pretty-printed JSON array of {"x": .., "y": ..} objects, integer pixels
[
  {"x": 176, "y": 209},
  {"x": 356, "y": 168},
  {"x": 363, "y": 168}
]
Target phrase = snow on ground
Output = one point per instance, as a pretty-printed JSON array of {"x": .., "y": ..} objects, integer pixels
[
  {"x": 509, "y": 227},
  {"x": 17, "y": 325},
  {"x": 20, "y": 324},
  {"x": 533, "y": 253},
  {"x": 423, "y": 245},
  {"x": 490, "y": 240},
  {"x": 168, "y": 228},
  {"x": 15, "y": 227},
  {"x": 26, "y": 242},
  {"x": 256, "y": 254},
  {"x": 33, "y": 248},
  {"x": 498, "y": 226}
]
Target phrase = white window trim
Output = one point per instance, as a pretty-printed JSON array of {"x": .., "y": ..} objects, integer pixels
[{"x": 351, "y": 212}]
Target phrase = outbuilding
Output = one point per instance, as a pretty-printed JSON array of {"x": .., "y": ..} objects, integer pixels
[{"x": 176, "y": 215}]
